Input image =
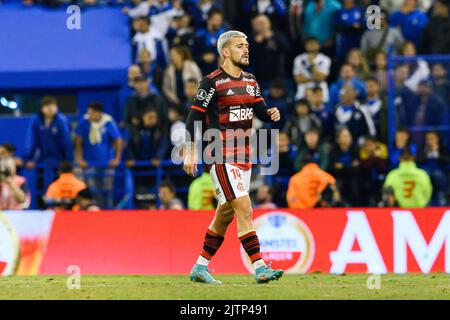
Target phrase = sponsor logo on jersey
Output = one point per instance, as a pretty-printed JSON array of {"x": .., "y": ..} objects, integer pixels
[
  {"x": 223, "y": 81},
  {"x": 285, "y": 240},
  {"x": 250, "y": 90},
  {"x": 230, "y": 92},
  {"x": 201, "y": 94},
  {"x": 208, "y": 97},
  {"x": 247, "y": 79},
  {"x": 241, "y": 114}
]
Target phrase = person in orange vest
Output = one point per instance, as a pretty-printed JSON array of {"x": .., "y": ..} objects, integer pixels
[
  {"x": 306, "y": 187},
  {"x": 62, "y": 192}
]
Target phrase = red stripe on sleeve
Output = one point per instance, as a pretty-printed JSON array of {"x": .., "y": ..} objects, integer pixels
[{"x": 198, "y": 108}]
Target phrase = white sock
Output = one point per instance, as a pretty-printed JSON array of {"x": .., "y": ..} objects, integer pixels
[
  {"x": 258, "y": 263},
  {"x": 202, "y": 261}
]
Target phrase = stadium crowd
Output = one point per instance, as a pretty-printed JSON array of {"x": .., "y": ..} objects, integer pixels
[{"x": 315, "y": 60}]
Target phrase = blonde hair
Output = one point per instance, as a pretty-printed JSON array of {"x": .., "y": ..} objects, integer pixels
[{"x": 226, "y": 37}]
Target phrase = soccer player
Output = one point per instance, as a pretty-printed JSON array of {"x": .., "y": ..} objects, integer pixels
[{"x": 225, "y": 100}]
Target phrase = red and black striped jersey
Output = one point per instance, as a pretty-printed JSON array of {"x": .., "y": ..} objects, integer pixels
[{"x": 228, "y": 103}]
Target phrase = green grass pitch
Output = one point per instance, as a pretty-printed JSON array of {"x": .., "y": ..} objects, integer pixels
[{"x": 236, "y": 287}]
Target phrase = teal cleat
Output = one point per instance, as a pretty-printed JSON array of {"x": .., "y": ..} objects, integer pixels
[
  {"x": 200, "y": 273},
  {"x": 265, "y": 274}
]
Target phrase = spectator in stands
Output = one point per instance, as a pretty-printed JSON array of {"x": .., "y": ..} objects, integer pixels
[
  {"x": 350, "y": 114},
  {"x": 127, "y": 90},
  {"x": 84, "y": 201},
  {"x": 311, "y": 69},
  {"x": 314, "y": 149},
  {"x": 48, "y": 137},
  {"x": 205, "y": 43},
  {"x": 380, "y": 70},
  {"x": 275, "y": 10},
  {"x": 146, "y": 38},
  {"x": 63, "y": 190},
  {"x": 278, "y": 96},
  {"x": 417, "y": 71},
  {"x": 320, "y": 21},
  {"x": 410, "y": 20},
  {"x": 168, "y": 198},
  {"x": 302, "y": 120},
  {"x": 177, "y": 125},
  {"x": 412, "y": 186},
  {"x": 161, "y": 13},
  {"x": 344, "y": 167},
  {"x": 441, "y": 82},
  {"x": 98, "y": 150},
  {"x": 286, "y": 154},
  {"x": 268, "y": 48},
  {"x": 181, "y": 31},
  {"x": 147, "y": 147},
  {"x": 14, "y": 193},
  {"x": 356, "y": 58},
  {"x": 180, "y": 69},
  {"x": 388, "y": 198},
  {"x": 8, "y": 150},
  {"x": 149, "y": 141},
  {"x": 199, "y": 10},
  {"x": 190, "y": 90},
  {"x": 202, "y": 194},
  {"x": 435, "y": 38},
  {"x": 424, "y": 109},
  {"x": 435, "y": 160},
  {"x": 377, "y": 107},
  {"x": 373, "y": 163},
  {"x": 403, "y": 95},
  {"x": 350, "y": 26},
  {"x": 143, "y": 98},
  {"x": 263, "y": 198},
  {"x": 306, "y": 186},
  {"x": 322, "y": 111},
  {"x": 347, "y": 76},
  {"x": 140, "y": 8},
  {"x": 402, "y": 141},
  {"x": 385, "y": 39},
  {"x": 151, "y": 70},
  {"x": 396, "y": 5}
]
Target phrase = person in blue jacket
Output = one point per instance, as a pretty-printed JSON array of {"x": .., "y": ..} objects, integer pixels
[
  {"x": 410, "y": 20},
  {"x": 350, "y": 26},
  {"x": 98, "y": 151},
  {"x": 204, "y": 48},
  {"x": 347, "y": 76},
  {"x": 48, "y": 138}
]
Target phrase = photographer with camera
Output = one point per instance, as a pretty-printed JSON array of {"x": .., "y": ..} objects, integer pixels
[{"x": 14, "y": 194}]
